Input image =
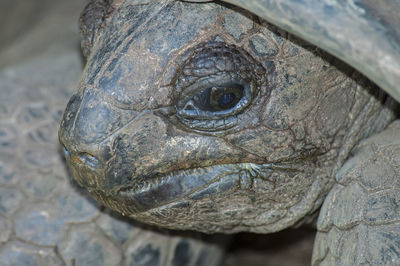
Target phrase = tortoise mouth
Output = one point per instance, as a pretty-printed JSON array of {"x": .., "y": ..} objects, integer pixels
[{"x": 191, "y": 184}]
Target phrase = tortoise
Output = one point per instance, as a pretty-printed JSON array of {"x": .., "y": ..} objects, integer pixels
[{"x": 206, "y": 117}]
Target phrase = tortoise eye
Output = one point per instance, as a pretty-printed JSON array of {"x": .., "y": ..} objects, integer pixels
[
  {"x": 215, "y": 86},
  {"x": 218, "y": 98},
  {"x": 216, "y": 101}
]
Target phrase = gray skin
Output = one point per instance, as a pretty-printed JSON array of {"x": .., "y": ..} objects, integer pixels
[
  {"x": 205, "y": 117},
  {"x": 45, "y": 218}
]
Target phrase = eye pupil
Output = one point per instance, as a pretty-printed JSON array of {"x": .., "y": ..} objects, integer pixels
[{"x": 226, "y": 100}]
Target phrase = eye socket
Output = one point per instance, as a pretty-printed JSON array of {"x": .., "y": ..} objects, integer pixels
[
  {"x": 218, "y": 98},
  {"x": 215, "y": 86}
]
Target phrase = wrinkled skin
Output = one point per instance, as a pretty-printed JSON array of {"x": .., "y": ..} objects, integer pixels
[{"x": 148, "y": 136}]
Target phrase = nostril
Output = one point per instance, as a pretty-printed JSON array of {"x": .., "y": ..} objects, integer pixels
[
  {"x": 67, "y": 154},
  {"x": 89, "y": 159}
]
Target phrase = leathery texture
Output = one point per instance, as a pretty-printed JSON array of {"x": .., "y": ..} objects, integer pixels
[
  {"x": 207, "y": 118},
  {"x": 360, "y": 220}
]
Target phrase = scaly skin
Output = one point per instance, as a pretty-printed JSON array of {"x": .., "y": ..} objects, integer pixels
[
  {"x": 359, "y": 222},
  {"x": 145, "y": 135},
  {"x": 45, "y": 219}
]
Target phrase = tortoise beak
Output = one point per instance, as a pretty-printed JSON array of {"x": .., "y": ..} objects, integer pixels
[{"x": 363, "y": 33}]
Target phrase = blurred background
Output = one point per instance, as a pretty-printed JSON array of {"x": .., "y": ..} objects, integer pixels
[{"x": 32, "y": 27}]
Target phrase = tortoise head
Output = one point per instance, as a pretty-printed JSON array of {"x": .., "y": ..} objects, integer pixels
[{"x": 205, "y": 117}]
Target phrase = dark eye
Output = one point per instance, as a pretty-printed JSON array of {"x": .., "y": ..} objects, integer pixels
[
  {"x": 216, "y": 101},
  {"x": 219, "y": 98}
]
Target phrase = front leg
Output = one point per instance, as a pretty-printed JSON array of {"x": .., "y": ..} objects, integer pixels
[{"x": 359, "y": 223}]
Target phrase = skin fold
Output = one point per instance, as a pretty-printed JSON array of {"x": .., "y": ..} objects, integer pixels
[{"x": 205, "y": 117}]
